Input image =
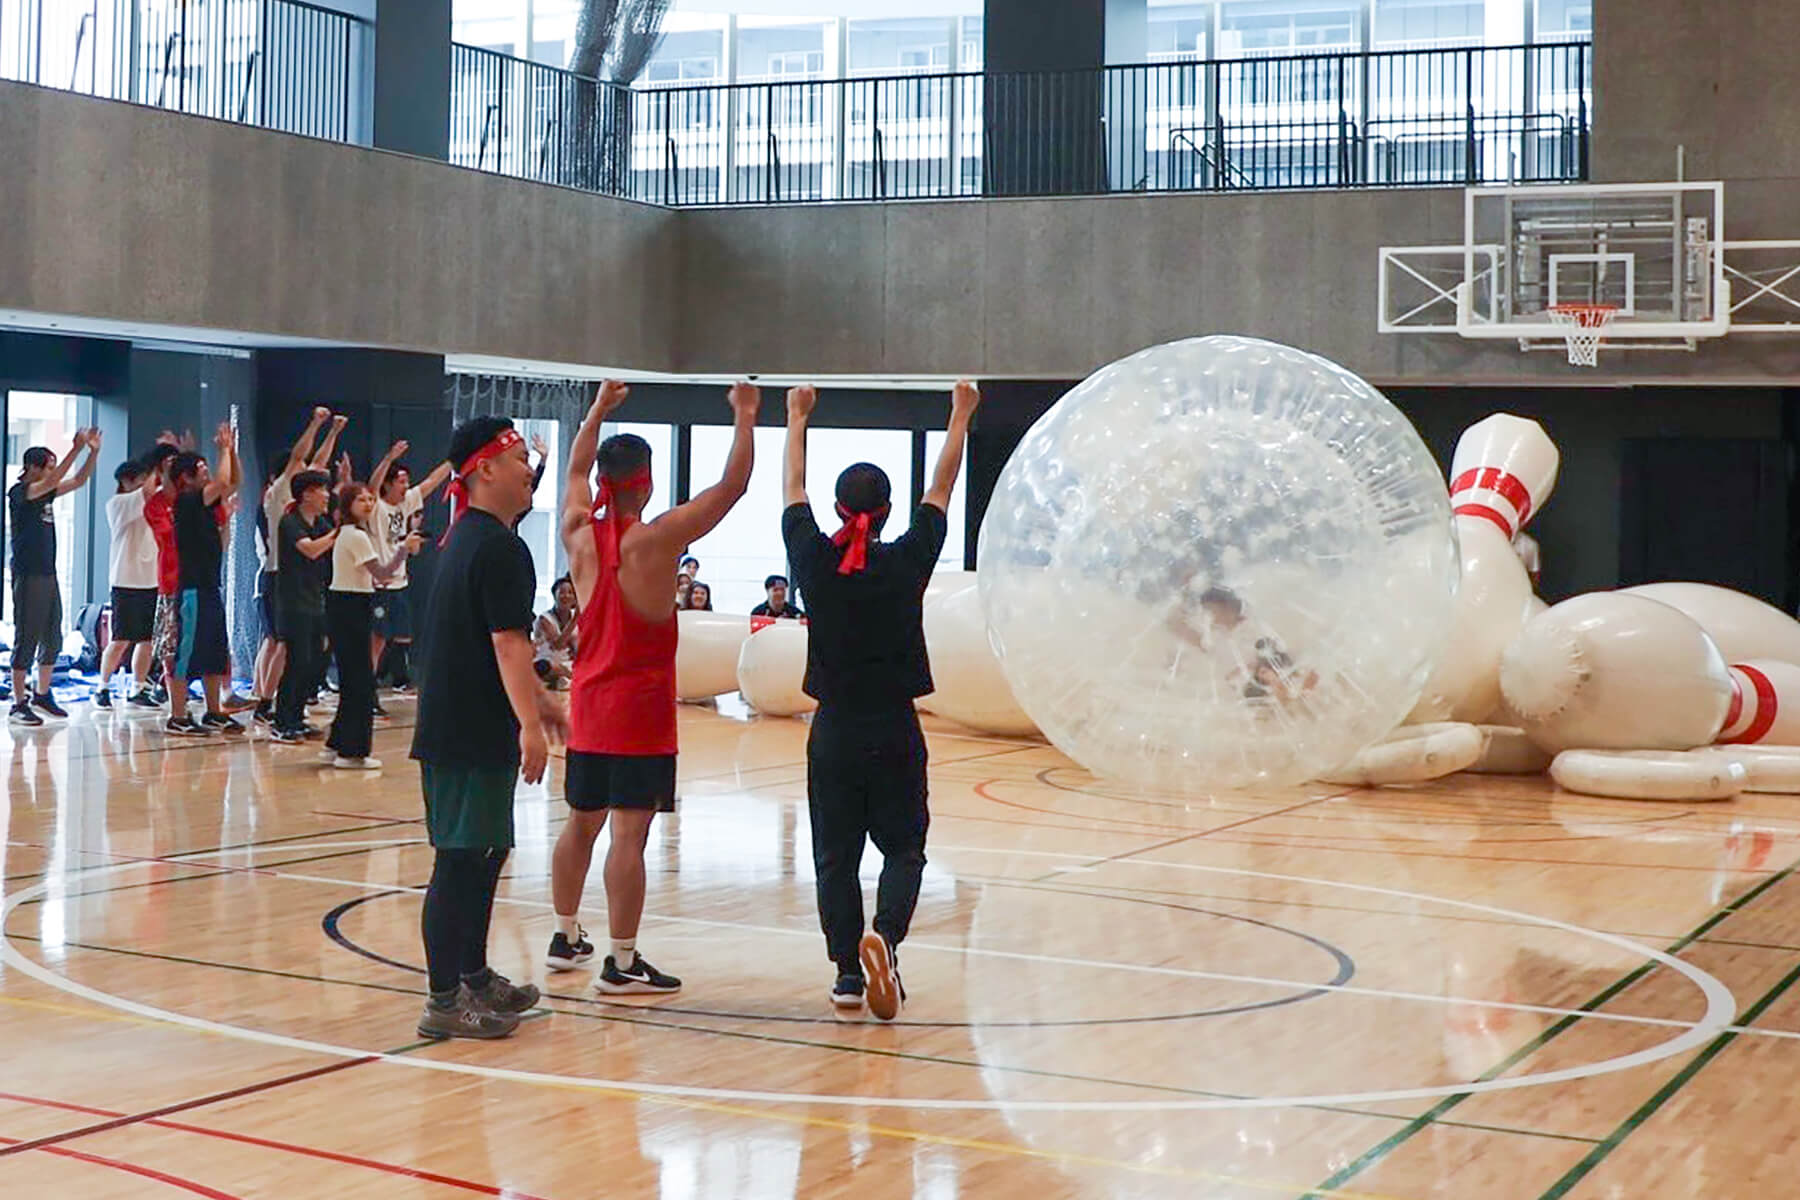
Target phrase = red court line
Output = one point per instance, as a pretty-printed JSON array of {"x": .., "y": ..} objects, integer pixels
[
  {"x": 122, "y": 1119},
  {"x": 351, "y": 1160},
  {"x": 186, "y": 1185}
]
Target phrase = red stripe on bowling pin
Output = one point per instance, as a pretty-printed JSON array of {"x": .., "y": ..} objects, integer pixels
[
  {"x": 1487, "y": 514},
  {"x": 1764, "y": 709},
  {"x": 1504, "y": 484}
]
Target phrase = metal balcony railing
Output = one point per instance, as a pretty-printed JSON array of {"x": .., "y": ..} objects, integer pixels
[
  {"x": 280, "y": 64},
  {"x": 1393, "y": 118}
]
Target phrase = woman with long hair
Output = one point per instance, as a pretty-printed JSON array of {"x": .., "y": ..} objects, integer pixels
[
  {"x": 349, "y": 615},
  {"x": 700, "y": 597}
]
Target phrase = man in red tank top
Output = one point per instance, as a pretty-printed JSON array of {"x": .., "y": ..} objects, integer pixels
[{"x": 622, "y": 698}]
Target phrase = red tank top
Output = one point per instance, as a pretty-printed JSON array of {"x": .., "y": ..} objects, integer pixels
[{"x": 622, "y": 699}]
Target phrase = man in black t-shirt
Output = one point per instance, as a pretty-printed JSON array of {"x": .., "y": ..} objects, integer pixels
[
  {"x": 304, "y": 540},
  {"x": 483, "y": 715},
  {"x": 37, "y": 599},
  {"x": 779, "y": 605},
  {"x": 866, "y": 664},
  {"x": 204, "y": 652}
]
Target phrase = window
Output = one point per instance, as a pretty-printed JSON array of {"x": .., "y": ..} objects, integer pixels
[
  {"x": 1275, "y": 26},
  {"x": 538, "y": 529},
  {"x": 699, "y": 69},
  {"x": 974, "y": 45},
  {"x": 747, "y": 545},
  {"x": 1416, "y": 21},
  {"x": 802, "y": 63},
  {"x": 952, "y": 557},
  {"x": 1557, "y": 17}
]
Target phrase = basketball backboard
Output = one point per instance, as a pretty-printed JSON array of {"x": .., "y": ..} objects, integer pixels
[{"x": 1652, "y": 256}]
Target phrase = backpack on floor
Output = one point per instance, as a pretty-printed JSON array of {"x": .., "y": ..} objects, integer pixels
[{"x": 94, "y": 623}]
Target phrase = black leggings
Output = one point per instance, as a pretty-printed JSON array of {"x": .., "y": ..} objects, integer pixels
[
  {"x": 348, "y": 616},
  {"x": 458, "y": 905}
]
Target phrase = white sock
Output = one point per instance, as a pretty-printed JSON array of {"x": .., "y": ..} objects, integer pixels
[
  {"x": 624, "y": 951},
  {"x": 569, "y": 926}
]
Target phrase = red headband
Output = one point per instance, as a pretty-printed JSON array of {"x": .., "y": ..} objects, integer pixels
[
  {"x": 853, "y": 538},
  {"x": 458, "y": 490},
  {"x": 607, "y": 529}
]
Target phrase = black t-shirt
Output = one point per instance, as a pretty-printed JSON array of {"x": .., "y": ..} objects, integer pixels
[
  {"x": 33, "y": 531},
  {"x": 484, "y": 585},
  {"x": 301, "y": 582},
  {"x": 865, "y": 648},
  {"x": 790, "y": 613},
  {"x": 197, "y": 547}
]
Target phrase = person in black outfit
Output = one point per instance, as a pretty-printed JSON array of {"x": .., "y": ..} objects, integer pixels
[
  {"x": 866, "y": 664},
  {"x": 204, "y": 652},
  {"x": 305, "y": 537},
  {"x": 778, "y": 605},
  {"x": 37, "y": 599},
  {"x": 484, "y": 720}
]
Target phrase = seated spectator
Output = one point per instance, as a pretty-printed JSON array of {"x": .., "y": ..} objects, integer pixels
[
  {"x": 553, "y": 636},
  {"x": 778, "y": 605},
  {"x": 700, "y": 597}
]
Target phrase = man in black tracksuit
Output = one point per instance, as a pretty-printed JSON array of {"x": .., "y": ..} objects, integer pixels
[{"x": 866, "y": 664}]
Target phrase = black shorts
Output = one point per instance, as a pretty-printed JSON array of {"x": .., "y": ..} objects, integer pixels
[
  {"x": 393, "y": 613},
  {"x": 643, "y": 782},
  {"x": 204, "y": 648},
  {"x": 133, "y": 614},
  {"x": 265, "y": 603}
]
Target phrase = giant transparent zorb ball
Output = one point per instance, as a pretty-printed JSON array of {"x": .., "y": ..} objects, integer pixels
[{"x": 1218, "y": 563}]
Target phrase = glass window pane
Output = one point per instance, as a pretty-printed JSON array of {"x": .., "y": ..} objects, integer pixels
[
  {"x": 1274, "y": 26},
  {"x": 538, "y": 529},
  {"x": 952, "y": 557},
  {"x": 1427, "y": 22}
]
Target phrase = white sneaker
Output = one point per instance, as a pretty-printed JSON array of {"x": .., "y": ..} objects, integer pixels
[
  {"x": 328, "y": 757},
  {"x": 356, "y": 764}
]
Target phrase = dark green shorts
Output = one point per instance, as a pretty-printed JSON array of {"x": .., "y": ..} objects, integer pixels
[{"x": 469, "y": 808}]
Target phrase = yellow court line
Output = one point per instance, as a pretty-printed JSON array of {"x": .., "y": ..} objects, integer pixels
[
  {"x": 92, "y": 1014},
  {"x": 1068, "y": 1157}
]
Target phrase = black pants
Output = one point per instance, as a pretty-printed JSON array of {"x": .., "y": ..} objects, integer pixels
[
  {"x": 304, "y": 635},
  {"x": 349, "y": 616},
  {"x": 865, "y": 780},
  {"x": 459, "y": 903}
]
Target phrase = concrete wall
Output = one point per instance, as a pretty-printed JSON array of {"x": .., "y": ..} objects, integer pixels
[{"x": 130, "y": 213}]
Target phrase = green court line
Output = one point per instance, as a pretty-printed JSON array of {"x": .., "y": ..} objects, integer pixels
[
  {"x": 1562, "y": 1025},
  {"x": 767, "y": 1038},
  {"x": 1664, "y": 1094}
]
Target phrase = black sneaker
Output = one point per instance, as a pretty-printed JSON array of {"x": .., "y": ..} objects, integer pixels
[
  {"x": 883, "y": 976},
  {"x": 265, "y": 714},
  {"x": 220, "y": 723},
  {"x": 311, "y": 731},
  {"x": 143, "y": 699},
  {"x": 103, "y": 698},
  {"x": 22, "y": 715},
  {"x": 848, "y": 993},
  {"x": 641, "y": 979},
  {"x": 185, "y": 727},
  {"x": 564, "y": 955},
  {"x": 47, "y": 705},
  {"x": 501, "y": 995},
  {"x": 289, "y": 737}
]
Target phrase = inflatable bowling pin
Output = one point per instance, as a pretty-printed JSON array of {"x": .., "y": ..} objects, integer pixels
[
  {"x": 1608, "y": 671},
  {"x": 971, "y": 687},
  {"x": 706, "y": 657},
  {"x": 771, "y": 668},
  {"x": 1743, "y": 627},
  {"x": 1765, "y": 705},
  {"x": 1503, "y": 471}
]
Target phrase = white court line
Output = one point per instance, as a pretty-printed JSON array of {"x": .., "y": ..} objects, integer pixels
[{"x": 1720, "y": 1008}]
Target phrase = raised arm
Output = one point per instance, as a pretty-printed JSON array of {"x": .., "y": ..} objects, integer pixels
[
  {"x": 800, "y": 404},
  {"x": 220, "y": 484},
  {"x": 322, "y": 460},
  {"x": 578, "y": 489},
  {"x": 300, "y": 457},
  {"x": 963, "y": 403},
  {"x": 86, "y": 471},
  {"x": 687, "y": 523},
  {"x": 379, "y": 475},
  {"x": 434, "y": 481}
]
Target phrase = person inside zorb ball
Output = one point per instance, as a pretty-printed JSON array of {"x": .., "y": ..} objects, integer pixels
[{"x": 1218, "y": 563}]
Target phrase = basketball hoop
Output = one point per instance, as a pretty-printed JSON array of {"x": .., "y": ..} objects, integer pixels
[{"x": 1583, "y": 326}]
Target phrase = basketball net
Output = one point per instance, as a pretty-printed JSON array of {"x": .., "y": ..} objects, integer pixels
[{"x": 1584, "y": 327}]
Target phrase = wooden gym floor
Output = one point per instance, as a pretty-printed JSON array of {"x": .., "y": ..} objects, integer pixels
[{"x": 1473, "y": 989}]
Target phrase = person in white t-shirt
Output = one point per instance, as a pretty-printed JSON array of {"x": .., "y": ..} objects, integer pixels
[
  {"x": 357, "y": 569},
  {"x": 398, "y": 504},
  {"x": 277, "y": 497},
  {"x": 132, "y": 572}
]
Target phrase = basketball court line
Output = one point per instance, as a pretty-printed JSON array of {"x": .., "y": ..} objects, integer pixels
[
  {"x": 8, "y": 1145},
  {"x": 352, "y": 1160},
  {"x": 1424, "y": 1120},
  {"x": 1667, "y": 1092},
  {"x": 1199, "y": 833},
  {"x": 1720, "y": 1006}
]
